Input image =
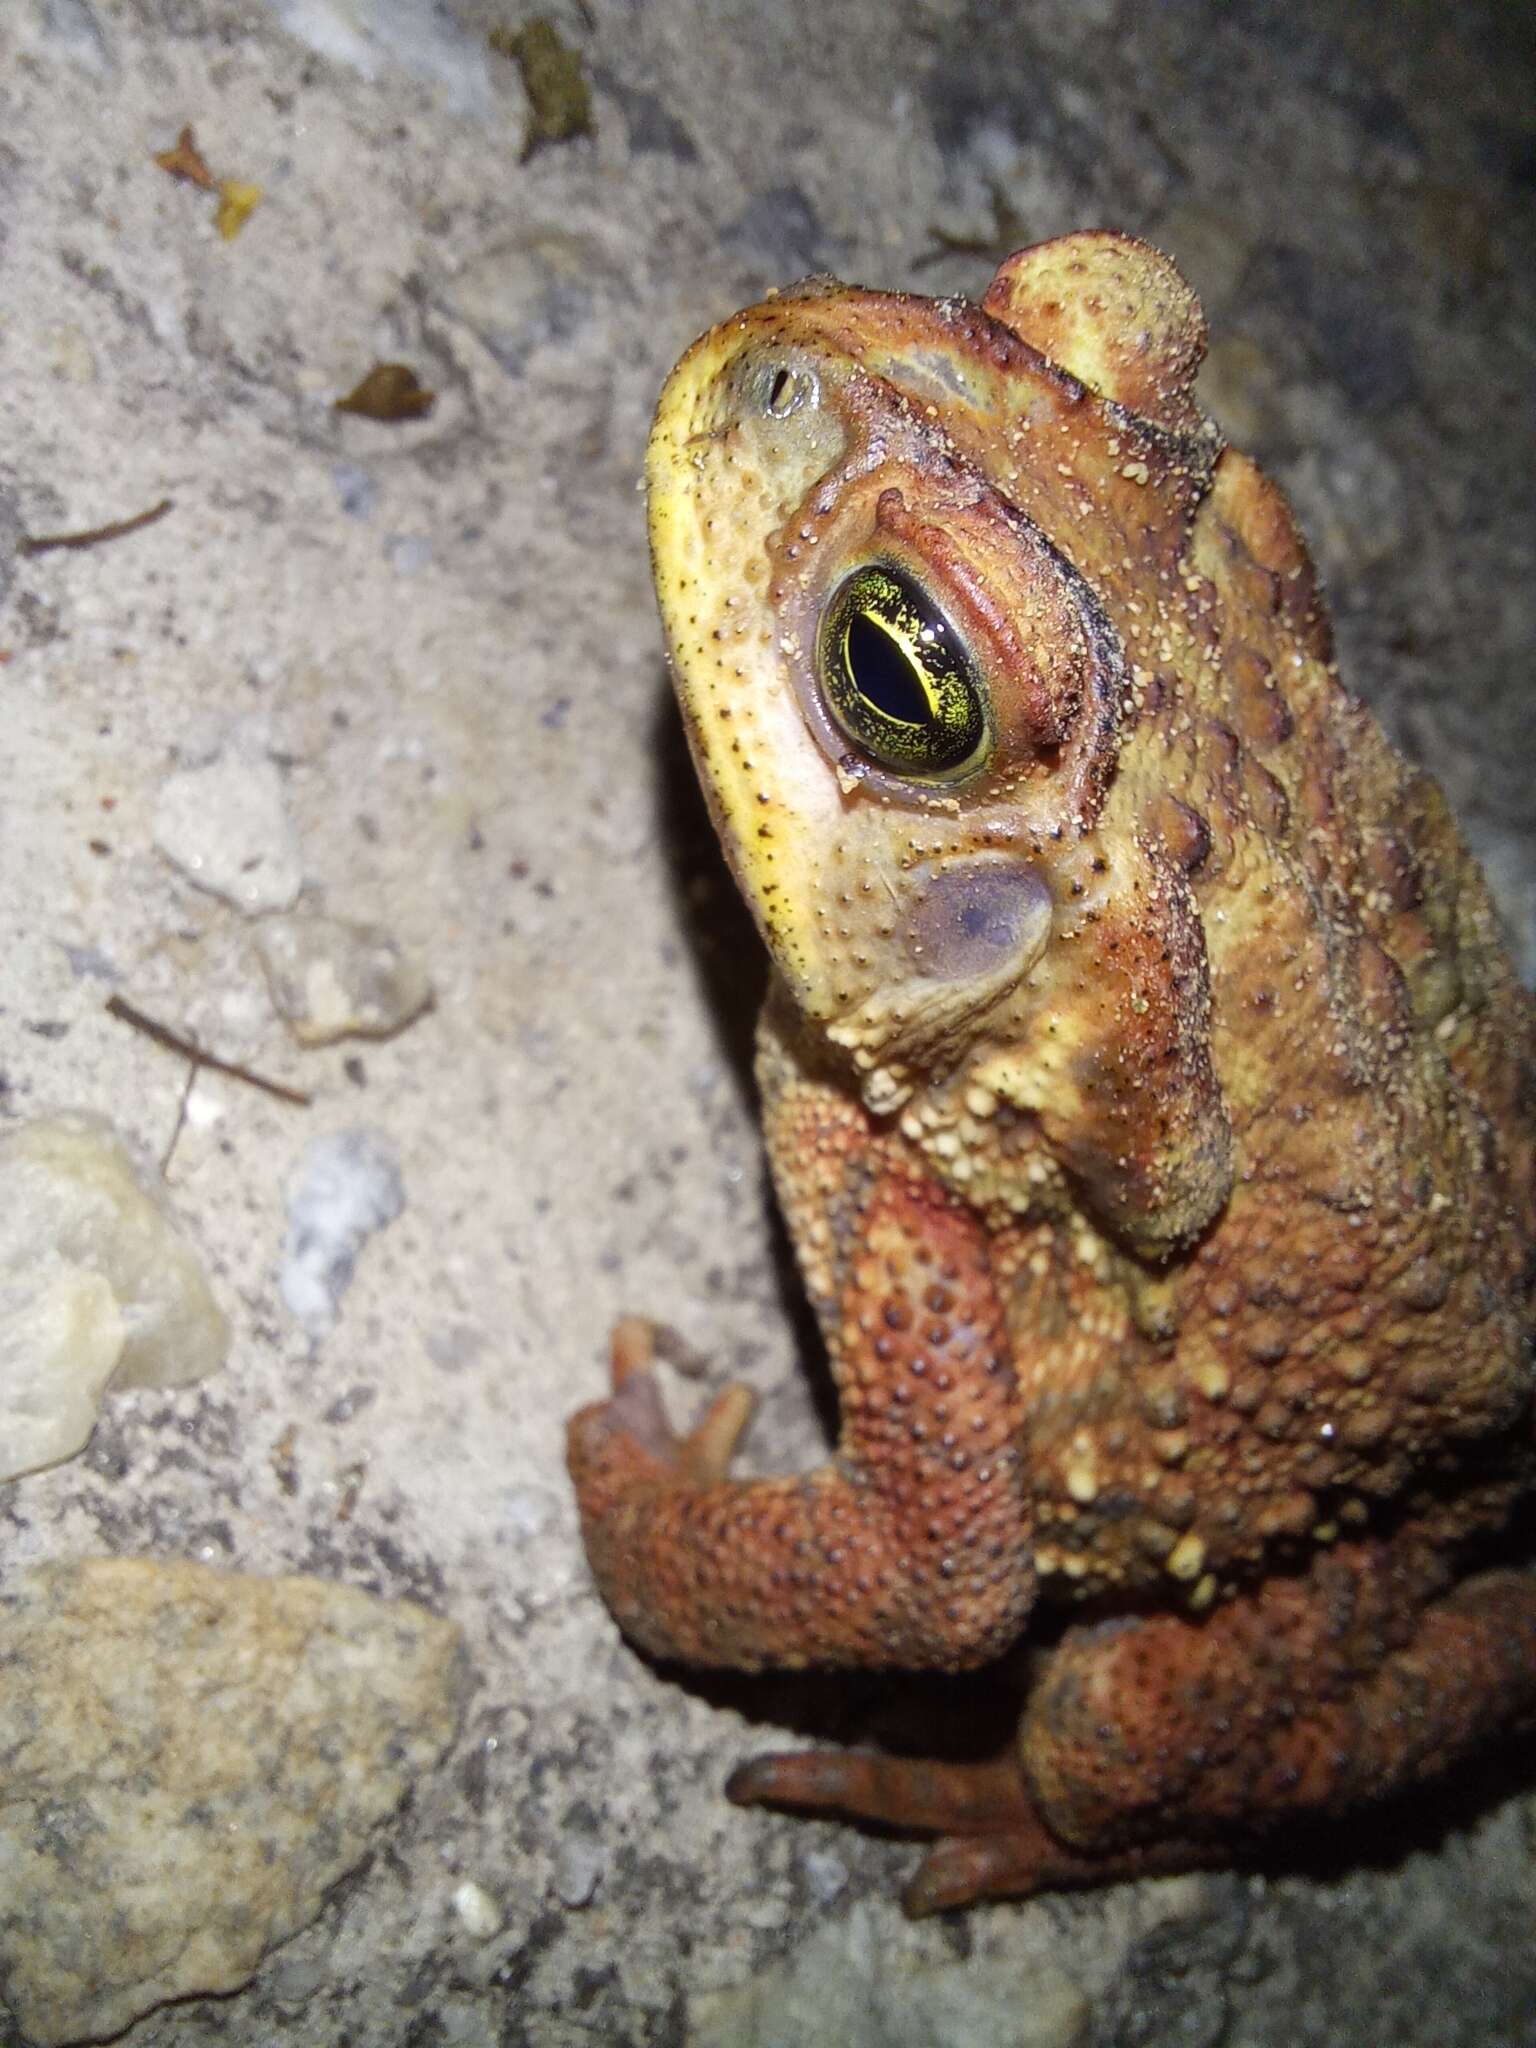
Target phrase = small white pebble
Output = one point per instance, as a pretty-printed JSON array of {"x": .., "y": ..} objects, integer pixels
[
  {"x": 825, "y": 1875},
  {"x": 331, "y": 979},
  {"x": 204, "y": 1109},
  {"x": 295, "y": 1982},
  {"x": 408, "y": 553},
  {"x": 529, "y": 1511},
  {"x": 227, "y": 828},
  {"x": 578, "y": 1869},
  {"x": 478, "y": 1912},
  {"x": 348, "y": 1186},
  {"x": 356, "y": 489}
]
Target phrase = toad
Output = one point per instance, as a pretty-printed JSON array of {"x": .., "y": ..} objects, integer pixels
[{"x": 1145, "y": 1082}]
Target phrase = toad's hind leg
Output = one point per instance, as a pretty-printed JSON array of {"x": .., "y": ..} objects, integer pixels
[
  {"x": 994, "y": 1842},
  {"x": 1158, "y": 1744}
]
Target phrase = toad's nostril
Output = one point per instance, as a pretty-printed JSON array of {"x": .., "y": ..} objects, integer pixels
[
  {"x": 785, "y": 390},
  {"x": 974, "y": 919}
]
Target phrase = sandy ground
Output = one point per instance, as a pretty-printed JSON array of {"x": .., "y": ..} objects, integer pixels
[{"x": 440, "y": 631}]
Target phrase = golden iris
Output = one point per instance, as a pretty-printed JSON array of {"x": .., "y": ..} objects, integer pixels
[{"x": 897, "y": 679}]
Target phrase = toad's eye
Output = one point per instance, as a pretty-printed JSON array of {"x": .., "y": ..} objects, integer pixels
[{"x": 897, "y": 679}]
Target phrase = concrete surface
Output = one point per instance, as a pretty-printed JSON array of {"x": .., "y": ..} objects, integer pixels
[{"x": 440, "y": 632}]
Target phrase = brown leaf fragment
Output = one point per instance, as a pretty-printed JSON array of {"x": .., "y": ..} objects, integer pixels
[
  {"x": 350, "y": 1484},
  {"x": 390, "y": 391},
  {"x": 186, "y": 161},
  {"x": 559, "y": 100},
  {"x": 284, "y": 1462}
]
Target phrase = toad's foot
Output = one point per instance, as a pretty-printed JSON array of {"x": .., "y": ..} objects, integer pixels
[
  {"x": 1153, "y": 1744},
  {"x": 993, "y": 1843},
  {"x": 908, "y": 1549},
  {"x": 631, "y": 1427}
]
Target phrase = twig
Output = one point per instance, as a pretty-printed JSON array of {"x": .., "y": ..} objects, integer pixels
[
  {"x": 173, "y": 1041},
  {"x": 194, "y": 1068},
  {"x": 42, "y": 543}
]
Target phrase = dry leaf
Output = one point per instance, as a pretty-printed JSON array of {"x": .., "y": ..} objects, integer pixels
[
  {"x": 186, "y": 161},
  {"x": 559, "y": 102},
  {"x": 390, "y": 391},
  {"x": 237, "y": 202}
]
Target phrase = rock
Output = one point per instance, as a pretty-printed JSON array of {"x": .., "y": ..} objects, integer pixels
[
  {"x": 408, "y": 553},
  {"x": 529, "y": 1513},
  {"x": 349, "y": 1186},
  {"x": 226, "y": 826},
  {"x": 543, "y": 288},
  {"x": 330, "y": 979},
  {"x": 825, "y": 1875},
  {"x": 579, "y": 1858},
  {"x": 374, "y": 36},
  {"x": 192, "y": 1758},
  {"x": 841, "y": 1986},
  {"x": 97, "y": 1285},
  {"x": 478, "y": 1912},
  {"x": 357, "y": 490}
]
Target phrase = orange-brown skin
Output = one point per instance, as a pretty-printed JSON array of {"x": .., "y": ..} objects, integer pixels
[{"x": 1173, "y": 1246}]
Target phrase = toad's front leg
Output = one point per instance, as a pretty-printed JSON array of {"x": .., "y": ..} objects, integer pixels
[{"x": 909, "y": 1549}]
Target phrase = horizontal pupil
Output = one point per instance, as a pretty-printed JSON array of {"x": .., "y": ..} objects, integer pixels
[
  {"x": 883, "y": 674},
  {"x": 895, "y": 679}
]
